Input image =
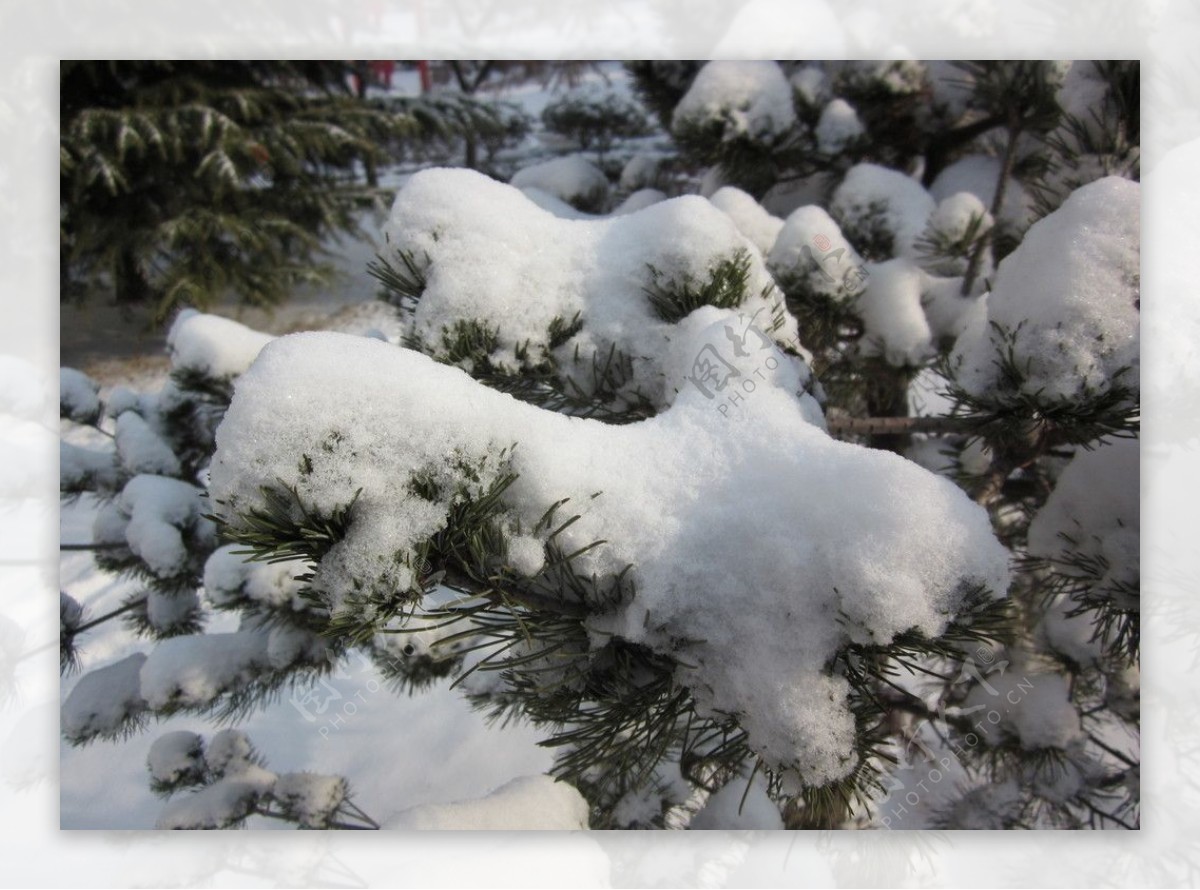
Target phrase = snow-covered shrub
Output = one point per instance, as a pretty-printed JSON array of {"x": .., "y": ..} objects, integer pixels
[
  {"x": 594, "y": 119},
  {"x": 1060, "y": 339}
]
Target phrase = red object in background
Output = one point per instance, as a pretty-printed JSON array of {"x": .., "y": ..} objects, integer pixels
[
  {"x": 426, "y": 77},
  {"x": 382, "y": 71}
]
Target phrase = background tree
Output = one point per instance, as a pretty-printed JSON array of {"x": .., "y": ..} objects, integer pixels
[{"x": 184, "y": 183}]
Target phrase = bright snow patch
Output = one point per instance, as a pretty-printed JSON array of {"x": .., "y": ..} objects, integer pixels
[
  {"x": 749, "y": 216},
  {"x": 1065, "y": 302}
]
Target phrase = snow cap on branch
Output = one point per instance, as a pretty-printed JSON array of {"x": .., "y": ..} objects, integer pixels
[
  {"x": 1065, "y": 303},
  {"x": 753, "y": 561}
]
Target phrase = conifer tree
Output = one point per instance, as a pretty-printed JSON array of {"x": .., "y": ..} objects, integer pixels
[
  {"x": 659, "y": 552},
  {"x": 185, "y": 183}
]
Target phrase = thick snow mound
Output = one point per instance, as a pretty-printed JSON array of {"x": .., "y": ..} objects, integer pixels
[
  {"x": 175, "y": 755},
  {"x": 78, "y": 396},
  {"x": 212, "y": 346},
  {"x": 157, "y": 513},
  {"x": 1065, "y": 302},
  {"x": 103, "y": 700},
  {"x": 758, "y": 544},
  {"x": 751, "y": 99},
  {"x": 738, "y": 808}
]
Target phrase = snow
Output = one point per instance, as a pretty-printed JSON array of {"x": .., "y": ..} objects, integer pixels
[
  {"x": 952, "y": 221},
  {"x": 673, "y": 489},
  {"x": 837, "y": 127},
  {"x": 951, "y": 87},
  {"x": 1075, "y": 637},
  {"x": 1035, "y": 709},
  {"x": 81, "y": 468},
  {"x": 1083, "y": 91},
  {"x": 141, "y": 450},
  {"x": 752, "y": 99},
  {"x": 1046, "y": 717},
  {"x": 484, "y": 245},
  {"x": 639, "y": 200},
  {"x": 1094, "y": 512},
  {"x": 1068, "y": 298},
  {"x": 736, "y": 808},
  {"x": 871, "y": 194},
  {"x": 800, "y": 256},
  {"x": 228, "y": 751},
  {"x": 527, "y": 803},
  {"x": 157, "y": 511},
  {"x": 573, "y": 179},
  {"x": 812, "y": 84},
  {"x": 194, "y": 670},
  {"x": 894, "y": 324},
  {"x": 215, "y": 347},
  {"x": 900, "y": 77},
  {"x": 220, "y": 804},
  {"x": 311, "y": 798},
  {"x": 166, "y": 611},
  {"x": 103, "y": 700},
  {"x": 526, "y": 555},
  {"x": 639, "y": 172},
  {"x": 987, "y": 807},
  {"x": 78, "y": 396},
  {"x": 978, "y": 175},
  {"x": 229, "y": 580},
  {"x": 175, "y": 755},
  {"x": 748, "y": 215},
  {"x": 947, "y": 311}
]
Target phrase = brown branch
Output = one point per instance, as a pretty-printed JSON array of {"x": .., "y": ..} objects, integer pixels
[
  {"x": 840, "y": 423},
  {"x": 1006, "y": 168}
]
